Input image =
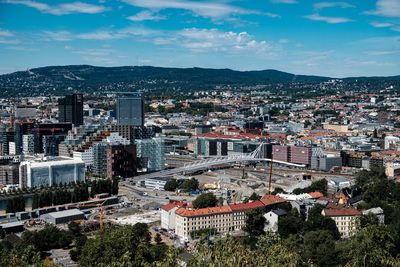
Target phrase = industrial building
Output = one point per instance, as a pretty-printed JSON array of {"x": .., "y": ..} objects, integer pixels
[
  {"x": 325, "y": 162},
  {"x": 65, "y": 216}
]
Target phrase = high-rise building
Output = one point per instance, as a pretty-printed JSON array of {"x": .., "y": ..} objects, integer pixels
[
  {"x": 121, "y": 161},
  {"x": 150, "y": 154},
  {"x": 28, "y": 144},
  {"x": 130, "y": 109},
  {"x": 71, "y": 109}
]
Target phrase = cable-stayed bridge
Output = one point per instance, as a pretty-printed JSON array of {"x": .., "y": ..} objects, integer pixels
[{"x": 257, "y": 155}]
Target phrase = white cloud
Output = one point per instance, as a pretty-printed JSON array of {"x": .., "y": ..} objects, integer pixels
[
  {"x": 392, "y": 26},
  {"x": 284, "y": 1},
  {"x": 386, "y": 8},
  {"x": 322, "y": 5},
  {"x": 5, "y": 33},
  {"x": 60, "y": 9},
  {"x": 7, "y": 37},
  {"x": 383, "y": 53},
  {"x": 146, "y": 15},
  {"x": 330, "y": 20},
  {"x": 381, "y": 24},
  {"x": 206, "y": 9},
  {"x": 100, "y": 35},
  {"x": 209, "y": 40}
]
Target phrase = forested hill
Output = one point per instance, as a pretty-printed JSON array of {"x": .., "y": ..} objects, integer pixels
[{"x": 58, "y": 80}]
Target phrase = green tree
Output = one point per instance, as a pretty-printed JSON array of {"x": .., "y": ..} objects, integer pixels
[
  {"x": 316, "y": 221},
  {"x": 205, "y": 200},
  {"x": 254, "y": 196},
  {"x": 158, "y": 238},
  {"x": 50, "y": 237},
  {"x": 319, "y": 248},
  {"x": 368, "y": 219},
  {"x": 373, "y": 245},
  {"x": 171, "y": 185},
  {"x": 190, "y": 185},
  {"x": 255, "y": 222},
  {"x": 291, "y": 224}
]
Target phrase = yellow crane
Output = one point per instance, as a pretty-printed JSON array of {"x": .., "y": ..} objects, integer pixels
[{"x": 102, "y": 215}]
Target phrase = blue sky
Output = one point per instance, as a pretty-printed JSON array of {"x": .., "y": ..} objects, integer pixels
[{"x": 332, "y": 38}]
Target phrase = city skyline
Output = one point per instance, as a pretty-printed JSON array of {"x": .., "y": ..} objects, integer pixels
[{"x": 336, "y": 39}]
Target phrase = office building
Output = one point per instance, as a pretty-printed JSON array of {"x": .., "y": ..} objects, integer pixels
[
  {"x": 130, "y": 109},
  {"x": 48, "y": 171},
  {"x": 71, "y": 109}
]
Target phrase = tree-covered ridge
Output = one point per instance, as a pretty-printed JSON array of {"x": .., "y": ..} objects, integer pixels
[{"x": 59, "y": 80}]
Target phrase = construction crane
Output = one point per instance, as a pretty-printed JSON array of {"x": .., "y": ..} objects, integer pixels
[
  {"x": 270, "y": 176},
  {"x": 102, "y": 215}
]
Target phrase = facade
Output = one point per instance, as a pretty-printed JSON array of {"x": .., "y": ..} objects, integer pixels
[
  {"x": 9, "y": 173},
  {"x": 168, "y": 214},
  {"x": 325, "y": 162},
  {"x": 272, "y": 219},
  {"x": 99, "y": 167},
  {"x": 121, "y": 161},
  {"x": 222, "y": 219},
  {"x": 130, "y": 109},
  {"x": 216, "y": 218},
  {"x": 300, "y": 155},
  {"x": 280, "y": 153},
  {"x": 157, "y": 183},
  {"x": 36, "y": 172},
  {"x": 71, "y": 109},
  {"x": 150, "y": 154},
  {"x": 28, "y": 144},
  {"x": 345, "y": 219},
  {"x": 238, "y": 213}
]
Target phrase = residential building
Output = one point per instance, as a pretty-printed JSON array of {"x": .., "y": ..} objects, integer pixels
[
  {"x": 168, "y": 214},
  {"x": 121, "y": 161},
  {"x": 28, "y": 144},
  {"x": 272, "y": 219},
  {"x": 238, "y": 213},
  {"x": 345, "y": 219}
]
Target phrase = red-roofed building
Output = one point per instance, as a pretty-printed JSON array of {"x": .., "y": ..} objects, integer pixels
[
  {"x": 168, "y": 214},
  {"x": 345, "y": 219},
  {"x": 238, "y": 212},
  {"x": 223, "y": 219},
  {"x": 271, "y": 200}
]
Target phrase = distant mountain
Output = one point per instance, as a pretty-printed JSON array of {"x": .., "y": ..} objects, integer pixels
[{"x": 59, "y": 80}]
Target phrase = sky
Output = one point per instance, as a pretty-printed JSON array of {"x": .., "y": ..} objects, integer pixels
[{"x": 329, "y": 38}]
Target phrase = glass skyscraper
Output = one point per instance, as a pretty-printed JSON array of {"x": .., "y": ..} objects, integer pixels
[{"x": 130, "y": 109}]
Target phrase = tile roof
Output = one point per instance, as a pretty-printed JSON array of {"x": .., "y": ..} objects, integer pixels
[
  {"x": 347, "y": 211},
  {"x": 202, "y": 212},
  {"x": 246, "y": 206},
  {"x": 173, "y": 204},
  {"x": 316, "y": 194},
  {"x": 271, "y": 200}
]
